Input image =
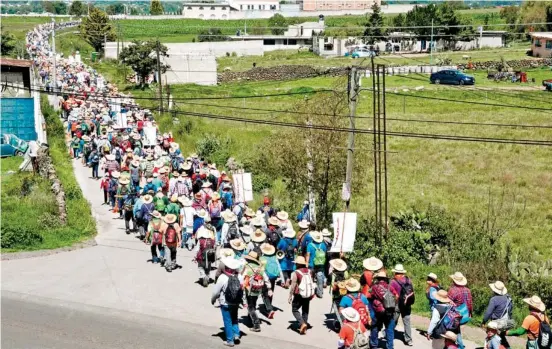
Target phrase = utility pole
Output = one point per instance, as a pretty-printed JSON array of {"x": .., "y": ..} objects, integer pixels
[
  {"x": 157, "y": 47},
  {"x": 353, "y": 91},
  {"x": 431, "y": 45},
  {"x": 54, "y": 54},
  {"x": 310, "y": 175},
  {"x": 118, "y": 38}
]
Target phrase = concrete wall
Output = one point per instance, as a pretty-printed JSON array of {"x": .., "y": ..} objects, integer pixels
[
  {"x": 541, "y": 51},
  {"x": 190, "y": 69},
  {"x": 206, "y": 12}
]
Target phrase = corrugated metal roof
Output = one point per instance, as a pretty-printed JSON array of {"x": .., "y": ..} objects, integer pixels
[{"x": 16, "y": 62}]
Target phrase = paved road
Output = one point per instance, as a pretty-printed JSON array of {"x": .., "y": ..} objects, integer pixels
[{"x": 115, "y": 275}]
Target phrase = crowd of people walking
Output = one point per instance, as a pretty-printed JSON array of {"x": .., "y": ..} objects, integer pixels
[{"x": 174, "y": 201}]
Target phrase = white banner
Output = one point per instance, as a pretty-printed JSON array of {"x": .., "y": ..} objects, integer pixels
[
  {"x": 150, "y": 134},
  {"x": 243, "y": 187},
  {"x": 344, "y": 224}
]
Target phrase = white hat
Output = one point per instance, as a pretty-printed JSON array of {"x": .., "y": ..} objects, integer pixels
[
  {"x": 204, "y": 233},
  {"x": 326, "y": 232},
  {"x": 338, "y": 264},
  {"x": 351, "y": 314},
  {"x": 282, "y": 215},
  {"x": 493, "y": 325},
  {"x": 289, "y": 233},
  {"x": 498, "y": 288},
  {"x": 303, "y": 224},
  {"x": 432, "y": 276},
  {"x": 459, "y": 279},
  {"x": 231, "y": 263},
  {"x": 372, "y": 264},
  {"x": 535, "y": 302},
  {"x": 399, "y": 269},
  {"x": 317, "y": 237}
]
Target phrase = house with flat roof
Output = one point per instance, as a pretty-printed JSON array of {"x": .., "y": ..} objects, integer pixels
[
  {"x": 220, "y": 10},
  {"x": 541, "y": 44}
]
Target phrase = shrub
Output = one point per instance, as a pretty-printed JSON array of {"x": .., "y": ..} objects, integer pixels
[
  {"x": 208, "y": 145},
  {"x": 19, "y": 237}
]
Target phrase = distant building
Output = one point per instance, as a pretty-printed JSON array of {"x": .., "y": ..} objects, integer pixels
[
  {"x": 541, "y": 44},
  {"x": 256, "y": 5},
  {"x": 207, "y": 10},
  {"x": 338, "y": 5}
]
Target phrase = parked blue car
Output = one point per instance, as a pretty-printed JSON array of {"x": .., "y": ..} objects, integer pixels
[
  {"x": 452, "y": 77},
  {"x": 11, "y": 145}
]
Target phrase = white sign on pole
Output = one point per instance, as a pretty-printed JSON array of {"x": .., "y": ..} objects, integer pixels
[
  {"x": 243, "y": 187},
  {"x": 344, "y": 224},
  {"x": 150, "y": 133}
]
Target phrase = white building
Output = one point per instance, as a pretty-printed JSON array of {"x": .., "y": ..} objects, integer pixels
[
  {"x": 256, "y": 5},
  {"x": 207, "y": 10}
]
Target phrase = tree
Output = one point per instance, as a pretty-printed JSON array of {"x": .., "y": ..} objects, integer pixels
[
  {"x": 211, "y": 34},
  {"x": 115, "y": 9},
  {"x": 534, "y": 12},
  {"x": 48, "y": 7},
  {"x": 398, "y": 22},
  {"x": 96, "y": 28},
  {"x": 60, "y": 8},
  {"x": 142, "y": 58},
  {"x": 156, "y": 8},
  {"x": 77, "y": 8},
  {"x": 277, "y": 24},
  {"x": 374, "y": 28},
  {"x": 8, "y": 42}
]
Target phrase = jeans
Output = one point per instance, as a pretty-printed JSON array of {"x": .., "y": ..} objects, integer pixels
[
  {"x": 120, "y": 203},
  {"x": 297, "y": 303},
  {"x": 136, "y": 185},
  {"x": 95, "y": 170},
  {"x": 383, "y": 319},
  {"x": 266, "y": 299},
  {"x": 105, "y": 197},
  {"x": 405, "y": 314},
  {"x": 129, "y": 216},
  {"x": 252, "y": 310},
  {"x": 154, "y": 248},
  {"x": 112, "y": 200},
  {"x": 459, "y": 340},
  {"x": 170, "y": 253},
  {"x": 320, "y": 278},
  {"x": 230, "y": 320},
  {"x": 76, "y": 153}
]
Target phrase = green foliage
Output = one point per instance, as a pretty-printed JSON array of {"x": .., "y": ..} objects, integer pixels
[
  {"x": 156, "y": 8},
  {"x": 532, "y": 277},
  {"x": 211, "y": 34},
  {"x": 141, "y": 57},
  {"x": 96, "y": 28},
  {"x": 278, "y": 24},
  {"x": 8, "y": 42},
  {"x": 374, "y": 30},
  {"x": 77, "y": 8},
  {"x": 115, "y": 9},
  {"x": 208, "y": 145},
  {"x": 19, "y": 237}
]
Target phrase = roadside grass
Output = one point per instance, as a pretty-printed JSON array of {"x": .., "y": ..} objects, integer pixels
[
  {"x": 30, "y": 216},
  {"x": 19, "y": 26}
]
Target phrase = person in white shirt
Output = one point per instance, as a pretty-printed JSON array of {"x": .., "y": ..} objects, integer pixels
[
  {"x": 187, "y": 222},
  {"x": 33, "y": 153}
]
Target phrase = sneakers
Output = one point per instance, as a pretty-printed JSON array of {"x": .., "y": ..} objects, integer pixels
[
  {"x": 228, "y": 344},
  {"x": 271, "y": 314},
  {"x": 303, "y": 329},
  {"x": 256, "y": 329}
]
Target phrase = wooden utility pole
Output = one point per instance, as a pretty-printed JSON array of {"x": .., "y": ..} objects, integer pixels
[
  {"x": 353, "y": 89},
  {"x": 159, "y": 81}
]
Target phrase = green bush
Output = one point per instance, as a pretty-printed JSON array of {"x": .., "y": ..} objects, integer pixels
[{"x": 19, "y": 237}]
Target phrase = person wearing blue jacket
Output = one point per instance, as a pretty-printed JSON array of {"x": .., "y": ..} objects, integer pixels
[
  {"x": 149, "y": 186},
  {"x": 288, "y": 247},
  {"x": 316, "y": 258}
]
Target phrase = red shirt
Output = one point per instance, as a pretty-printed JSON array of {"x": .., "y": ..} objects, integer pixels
[{"x": 347, "y": 332}]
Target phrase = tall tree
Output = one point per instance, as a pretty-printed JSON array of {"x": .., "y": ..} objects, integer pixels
[
  {"x": 399, "y": 21},
  {"x": 374, "y": 28},
  {"x": 77, "y": 8},
  {"x": 142, "y": 58},
  {"x": 8, "y": 42},
  {"x": 60, "y": 8},
  {"x": 277, "y": 24},
  {"x": 115, "y": 9},
  {"x": 156, "y": 8},
  {"x": 48, "y": 7},
  {"x": 96, "y": 28}
]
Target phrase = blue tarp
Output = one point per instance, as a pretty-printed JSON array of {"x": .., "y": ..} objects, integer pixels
[{"x": 17, "y": 117}]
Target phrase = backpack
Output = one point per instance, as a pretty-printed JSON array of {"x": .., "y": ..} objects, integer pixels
[
  {"x": 209, "y": 252},
  {"x": 544, "y": 340},
  {"x": 113, "y": 185},
  {"x": 360, "y": 341},
  {"x": 462, "y": 309},
  {"x": 359, "y": 306},
  {"x": 95, "y": 158},
  {"x": 450, "y": 321},
  {"x": 290, "y": 250},
  {"x": 306, "y": 286},
  {"x": 257, "y": 248},
  {"x": 118, "y": 155},
  {"x": 157, "y": 238},
  {"x": 135, "y": 174},
  {"x": 234, "y": 290},
  {"x": 255, "y": 281},
  {"x": 227, "y": 201},
  {"x": 165, "y": 181},
  {"x": 129, "y": 204},
  {"x": 232, "y": 231},
  {"x": 319, "y": 256},
  {"x": 160, "y": 205},
  {"x": 407, "y": 296},
  {"x": 272, "y": 237},
  {"x": 388, "y": 300},
  {"x": 170, "y": 235},
  {"x": 214, "y": 211},
  {"x": 272, "y": 267}
]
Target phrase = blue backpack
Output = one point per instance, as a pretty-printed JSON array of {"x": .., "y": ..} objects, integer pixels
[{"x": 272, "y": 268}]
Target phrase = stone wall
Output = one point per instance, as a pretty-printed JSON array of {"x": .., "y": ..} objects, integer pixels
[
  {"x": 281, "y": 72},
  {"x": 46, "y": 170},
  {"x": 514, "y": 64}
]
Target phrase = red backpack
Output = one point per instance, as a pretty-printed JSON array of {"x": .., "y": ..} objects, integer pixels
[
  {"x": 359, "y": 306},
  {"x": 170, "y": 235},
  {"x": 157, "y": 237}
]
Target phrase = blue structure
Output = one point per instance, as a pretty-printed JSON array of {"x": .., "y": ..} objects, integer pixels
[{"x": 18, "y": 117}]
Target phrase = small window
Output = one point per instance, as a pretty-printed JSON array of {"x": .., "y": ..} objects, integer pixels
[
  {"x": 213, "y": 17},
  {"x": 292, "y": 42},
  {"x": 212, "y": 8},
  {"x": 223, "y": 8},
  {"x": 201, "y": 7},
  {"x": 269, "y": 42},
  {"x": 549, "y": 44},
  {"x": 537, "y": 43},
  {"x": 189, "y": 7}
]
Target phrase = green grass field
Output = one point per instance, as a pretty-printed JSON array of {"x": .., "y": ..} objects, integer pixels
[{"x": 19, "y": 26}]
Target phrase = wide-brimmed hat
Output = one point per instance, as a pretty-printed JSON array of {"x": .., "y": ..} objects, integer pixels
[
  {"x": 249, "y": 212},
  {"x": 135, "y": 162},
  {"x": 162, "y": 170},
  {"x": 303, "y": 224},
  {"x": 170, "y": 218},
  {"x": 185, "y": 166},
  {"x": 147, "y": 199},
  {"x": 493, "y": 325},
  {"x": 237, "y": 244},
  {"x": 115, "y": 174},
  {"x": 258, "y": 236},
  {"x": 226, "y": 252},
  {"x": 442, "y": 296},
  {"x": 174, "y": 197},
  {"x": 215, "y": 197},
  {"x": 350, "y": 314},
  {"x": 204, "y": 233},
  {"x": 231, "y": 263},
  {"x": 193, "y": 156},
  {"x": 110, "y": 157},
  {"x": 230, "y": 217},
  {"x": 459, "y": 279},
  {"x": 268, "y": 249},
  {"x": 535, "y": 302},
  {"x": 300, "y": 260},
  {"x": 155, "y": 174},
  {"x": 273, "y": 221},
  {"x": 185, "y": 201},
  {"x": 289, "y": 233},
  {"x": 372, "y": 264},
  {"x": 253, "y": 257},
  {"x": 257, "y": 222},
  {"x": 498, "y": 288},
  {"x": 399, "y": 269},
  {"x": 156, "y": 214},
  {"x": 316, "y": 236},
  {"x": 432, "y": 276},
  {"x": 326, "y": 233},
  {"x": 352, "y": 285},
  {"x": 382, "y": 274},
  {"x": 149, "y": 157},
  {"x": 206, "y": 184},
  {"x": 124, "y": 181},
  {"x": 282, "y": 215},
  {"x": 338, "y": 264},
  {"x": 85, "y": 138},
  {"x": 450, "y": 336},
  {"x": 201, "y": 213}
]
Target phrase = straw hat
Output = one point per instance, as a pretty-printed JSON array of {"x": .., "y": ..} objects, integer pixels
[
  {"x": 316, "y": 237},
  {"x": 258, "y": 236},
  {"x": 174, "y": 198},
  {"x": 536, "y": 303},
  {"x": 338, "y": 264},
  {"x": 135, "y": 163},
  {"x": 382, "y": 274},
  {"x": 124, "y": 181},
  {"x": 303, "y": 224},
  {"x": 231, "y": 263},
  {"x": 226, "y": 252},
  {"x": 237, "y": 244},
  {"x": 253, "y": 257},
  {"x": 170, "y": 218},
  {"x": 300, "y": 260},
  {"x": 450, "y": 335},
  {"x": 162, "y": 170},
  {"x": 493, "y": 325},
  {"x": 155, "y": 174},
  {"x": 432, "y": 276},
  {"x": 185, "y": 166},
  {"x": 326, "y": 232},
  {"x": 459, "y": 279},
  {"x": 156, "y": 214},
  {"x": 282, "y": 215},
  {"x": 115, "y": 174},
  {"x": 201, "y": 213},
  {"x": 350, "y": 314},
  {"x": 268, "y": 249},
  {"x": 230, "y": 217},
  {"x": 273, "y": 221},
  {"x": 216, "y": 197},
  {"x": 352, "y": 285},
  {"x": 204, "y": 233},
  {"x": 110, "y": 157},
  {"x": 85, "y": 138},
  {"x": 249, "y": 213},
  {"x": 193, "y": 156},
  {"x": 288, "y": 233},
  {"x": 399, "y": 269},
  {"x": 499, "y": 288},
  {"x": 206, "y": 184},
  {"x": 257, "y": 222},
  {"x": 185, "y": 201},
  {"x": 147, "y": 199},
  {"x": 442, "y": 296},
  {"x": 372, "y": 264}
]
